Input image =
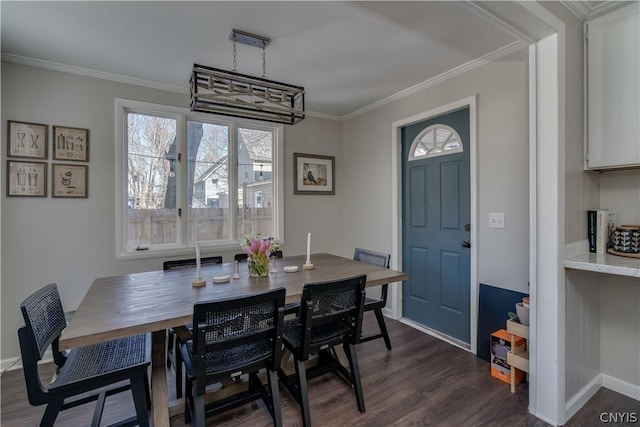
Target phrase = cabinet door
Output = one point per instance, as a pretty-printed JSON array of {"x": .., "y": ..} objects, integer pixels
[{"x": 613, "y": 68}]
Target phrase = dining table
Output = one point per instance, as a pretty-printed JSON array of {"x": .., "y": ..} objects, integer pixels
[{"x": 154, "y": 301}]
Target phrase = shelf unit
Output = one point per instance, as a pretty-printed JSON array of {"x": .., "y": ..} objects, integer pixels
[{"x": 518, "y": 358}]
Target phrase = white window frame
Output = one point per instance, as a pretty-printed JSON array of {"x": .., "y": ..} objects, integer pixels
[
  {"x": 182, "y": 115},
  {"x": 418, "y": 139}
]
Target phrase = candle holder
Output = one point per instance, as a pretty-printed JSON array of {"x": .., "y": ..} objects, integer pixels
[
  {"x": 272, "y": 265},
  {"x": 199, "y": 282},
  {"x": 236, "y": 271}
]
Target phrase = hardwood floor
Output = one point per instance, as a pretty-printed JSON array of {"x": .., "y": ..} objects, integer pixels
[{"x": 422, "y": 382}]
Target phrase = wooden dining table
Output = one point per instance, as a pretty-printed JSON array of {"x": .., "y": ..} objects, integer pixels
[{"x": 131, "y": 304}]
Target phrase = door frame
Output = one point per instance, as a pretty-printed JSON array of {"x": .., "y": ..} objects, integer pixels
[{"x": 395, "y": 293}]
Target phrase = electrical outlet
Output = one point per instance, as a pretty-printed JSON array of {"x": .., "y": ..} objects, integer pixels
[{"x": 496, "y": 220}]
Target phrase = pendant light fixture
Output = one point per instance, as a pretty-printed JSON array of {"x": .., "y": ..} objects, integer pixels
[{"x": 231, "y": 93}]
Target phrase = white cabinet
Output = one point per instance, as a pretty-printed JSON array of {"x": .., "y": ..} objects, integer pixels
[{"x": 613, "y": 89}]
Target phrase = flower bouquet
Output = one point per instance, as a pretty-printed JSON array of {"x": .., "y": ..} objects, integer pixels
[{"x": 259, "y": 250}]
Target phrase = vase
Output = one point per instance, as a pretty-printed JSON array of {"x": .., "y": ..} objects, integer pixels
[{"x": 258, "y": 267}]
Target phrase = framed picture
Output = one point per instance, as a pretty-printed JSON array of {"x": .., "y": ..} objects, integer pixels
[
  {"x": 313, "y": 174},
  {"x": 26, "y": 140},
  {"x": 69, "y": 180},
  {"x": 71, "y": 144},
  {"x": 26, "y": 179}
]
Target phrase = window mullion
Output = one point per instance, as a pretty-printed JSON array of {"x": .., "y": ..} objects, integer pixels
[
  {"x": 182, "y": 165},
  {"x": 233, "y": 181}
]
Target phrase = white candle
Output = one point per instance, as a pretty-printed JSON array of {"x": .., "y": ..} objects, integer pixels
[
  {"x": 308, "y": 248},
  {"x": 197, "y": 259}
]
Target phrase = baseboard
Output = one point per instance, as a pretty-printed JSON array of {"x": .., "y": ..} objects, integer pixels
[
  {"x": 546, "y": 420},
  {"x": 10, "y": 364},
  {"x": 579, "y": 399},
  {"x": 622, "y": 387},
  {"x": 14, "y": 363},
  {"x": 453, "y": 341}
]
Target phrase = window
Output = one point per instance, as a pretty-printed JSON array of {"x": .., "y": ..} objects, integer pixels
[
  {"x": 177, "y": 172},
  {"x": 435, "y": 140}
]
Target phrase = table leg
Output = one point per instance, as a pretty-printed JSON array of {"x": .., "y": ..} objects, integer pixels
[{"x": 159, "y": 391}]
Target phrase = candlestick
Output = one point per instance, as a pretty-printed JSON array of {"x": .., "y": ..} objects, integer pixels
[
  {"x": 199, "y": 281},
  {"x": 236, "y": 271},
  {"x": 307, "y": 265},
  {"x": 197, "y": 259}
]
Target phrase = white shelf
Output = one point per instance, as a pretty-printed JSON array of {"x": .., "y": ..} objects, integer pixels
[{"x": 605, "y": 263}]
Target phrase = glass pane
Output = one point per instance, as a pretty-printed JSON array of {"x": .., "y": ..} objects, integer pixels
[
  {"x": 255, "y": 182},
  {"x": 208, "y": 181},
  {"x": 151, "y": 184},
  {"x": 436, "y": 140}
]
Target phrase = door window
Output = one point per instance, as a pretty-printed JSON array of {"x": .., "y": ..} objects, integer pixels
[{"x": 435, "y": 140}]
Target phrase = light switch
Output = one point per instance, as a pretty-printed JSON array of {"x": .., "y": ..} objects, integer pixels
[{"x": 496, "y": 220}]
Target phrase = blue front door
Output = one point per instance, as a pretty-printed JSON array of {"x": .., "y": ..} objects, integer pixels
[{"x": 436, "y": 218}]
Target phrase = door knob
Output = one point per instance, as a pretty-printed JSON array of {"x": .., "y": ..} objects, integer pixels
[{"x": 466, "y": 244}]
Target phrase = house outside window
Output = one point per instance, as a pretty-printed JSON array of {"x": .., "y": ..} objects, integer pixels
[{"x": 177, "y": 171}]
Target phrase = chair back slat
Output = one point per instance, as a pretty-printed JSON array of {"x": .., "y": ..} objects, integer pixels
[
  {"x": 43, "y": 317},
  {"x": 225, "y": 324},
  {"x": 372, "y": 257},
  {"x": 339, "y": 302},
  {"x": 190, "y": 263}
]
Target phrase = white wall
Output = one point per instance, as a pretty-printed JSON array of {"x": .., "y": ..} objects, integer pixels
[
  {"x": 72, "y": 242},
  {"x": 503, "y": 171},
  {"x": 619, "y": 332}
]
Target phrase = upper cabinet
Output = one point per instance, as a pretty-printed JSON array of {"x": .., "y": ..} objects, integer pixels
[{"x": 613, "y": 89}]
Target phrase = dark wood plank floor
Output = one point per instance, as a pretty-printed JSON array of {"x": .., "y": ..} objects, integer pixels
[{"x": 422, "y": 382}]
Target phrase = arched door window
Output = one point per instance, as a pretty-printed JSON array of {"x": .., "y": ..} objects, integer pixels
[{"x": 435, "y": 140}]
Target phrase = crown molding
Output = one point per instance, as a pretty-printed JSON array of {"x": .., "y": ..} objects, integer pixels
[
  {"x": 87, "y": 72},
  {"x": 323, "y": 116},
  {"x": 586, "y": 13},
  {"x": 485, "y": 59},
  {"x": 578, "y": 8}
]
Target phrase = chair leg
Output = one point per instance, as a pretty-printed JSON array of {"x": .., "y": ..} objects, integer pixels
[
  {"x": 178, "y": 369},
  {"x": 170, "y": 338},
  {"x": 275, "y": 397},
  {"x": 383, "y": 327},
  {"x": 350, "y": 351},
  {"x": 188, "y": 400},
  {"x": 140, "y": 391},
  {"x": 301, "y": 376},
  {"x": 51, "y": 413},
  {"x": 147, "y": 391},
  {"x": 198, "y": 411}
]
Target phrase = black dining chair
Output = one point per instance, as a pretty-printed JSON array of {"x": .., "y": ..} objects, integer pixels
[
  {"x": 243, "y": 256},
  {"x": 330, "y": 315},
  {"x": 94, "y": 371},
  {"x": 375, "y": 304},
  {"x": 234, "y": 337},
  {"x": 240, "y": 257},
  {"x": 182, "y": 333}
]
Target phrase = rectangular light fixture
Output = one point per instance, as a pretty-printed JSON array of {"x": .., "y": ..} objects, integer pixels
[{"x": 230, "y": 93}]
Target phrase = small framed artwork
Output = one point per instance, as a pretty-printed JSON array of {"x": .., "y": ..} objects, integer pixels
[
  {"x": 26, "y": 179},
  {"x": 69, "y": 180},
  {"x": 71, "y": 144},
  {"x": 27, "y": 140},
  {"x": 313, "y": 174}
]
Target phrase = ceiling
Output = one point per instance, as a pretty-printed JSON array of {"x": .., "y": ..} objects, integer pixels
[{"x": 347, "y": 55}]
